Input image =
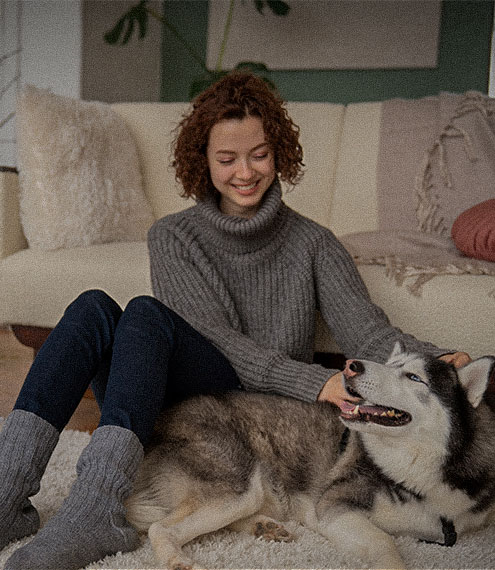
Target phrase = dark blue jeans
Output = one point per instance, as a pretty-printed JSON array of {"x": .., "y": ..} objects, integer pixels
[{"x": 138, "y": 361}]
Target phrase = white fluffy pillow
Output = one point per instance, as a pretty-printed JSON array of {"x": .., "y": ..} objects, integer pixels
[{"x": 80, "y": 180}]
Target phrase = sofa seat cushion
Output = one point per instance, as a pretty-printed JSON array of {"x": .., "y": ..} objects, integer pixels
[
  {"x": 452, "y": 310},
  {"x": 37, "y": 286}
]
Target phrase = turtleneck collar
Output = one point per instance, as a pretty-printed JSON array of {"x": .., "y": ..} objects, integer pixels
[{"x": 244, "y": 235}]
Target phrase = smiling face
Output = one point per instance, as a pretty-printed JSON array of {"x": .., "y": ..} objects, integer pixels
[{"x": 241, "y": 164}]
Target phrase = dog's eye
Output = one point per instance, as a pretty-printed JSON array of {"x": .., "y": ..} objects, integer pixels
[{"x": 414, "y": 377}]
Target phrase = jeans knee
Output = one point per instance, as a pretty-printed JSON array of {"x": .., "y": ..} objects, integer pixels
[
  {"x": 151, "y": 311},
  {"x": 96, "y": 301},
  {"x": 145, "y": 304}
]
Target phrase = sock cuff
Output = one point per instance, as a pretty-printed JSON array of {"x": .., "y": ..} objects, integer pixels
[
  {"x": 112, "y": 448},
  {"x": 26, "y": 445},
  {"x": 25, "y": 432}
]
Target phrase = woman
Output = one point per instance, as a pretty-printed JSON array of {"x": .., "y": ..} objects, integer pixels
[{"x": 237, "y": 278}]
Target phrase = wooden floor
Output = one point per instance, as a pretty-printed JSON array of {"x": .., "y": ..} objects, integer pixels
[{"x": 15, "y": 360}]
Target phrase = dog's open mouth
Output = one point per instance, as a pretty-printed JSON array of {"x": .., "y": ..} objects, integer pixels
[{"x": 381, "y": 415}]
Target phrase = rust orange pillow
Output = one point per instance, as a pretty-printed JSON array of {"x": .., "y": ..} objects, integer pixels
[{"x": 473, "y": 232}]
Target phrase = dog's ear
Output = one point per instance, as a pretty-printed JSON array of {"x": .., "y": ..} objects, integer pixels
[
  {"x": 397, "y": 350},
  {"x": 475, "y": 377}
]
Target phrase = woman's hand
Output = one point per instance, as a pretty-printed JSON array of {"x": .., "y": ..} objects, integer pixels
[
  {"x": 334, "y": 391},
  {"x": 458, "y": 359}
]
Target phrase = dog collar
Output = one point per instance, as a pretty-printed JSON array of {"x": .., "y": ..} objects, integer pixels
[{"x": 449, "y": 533}]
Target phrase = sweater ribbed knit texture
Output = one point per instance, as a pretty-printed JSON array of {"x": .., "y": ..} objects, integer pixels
[{"x": 253, "y": 286}]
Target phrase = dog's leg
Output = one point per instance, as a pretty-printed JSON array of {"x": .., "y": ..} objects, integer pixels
[
  {"x": 167, "y": 541},
  {"x": 355, "y": 534},
  {"x": 264, "y": 527}
]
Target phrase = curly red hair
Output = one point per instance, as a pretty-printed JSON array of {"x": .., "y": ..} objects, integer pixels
[{"x": 235, "y": 96}]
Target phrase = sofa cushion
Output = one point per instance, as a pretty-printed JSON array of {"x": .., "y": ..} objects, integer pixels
[
  {"x": 453, "y": 311},
  {"x": 152, "y": 126},
  {"x": 354, "y": 205},
  {"x": 37, "y": 285},
  {"x": 80, "y": 177},
  {"x": 473, "y": 231},
  {"x": 320, "y": 135},
  {"x": 459, "y": 168}
]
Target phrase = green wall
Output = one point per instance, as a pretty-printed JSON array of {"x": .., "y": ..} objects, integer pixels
[{"x": 464, "y": 57}]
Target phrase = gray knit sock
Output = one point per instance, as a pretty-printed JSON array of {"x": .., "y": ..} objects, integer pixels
[
  {"x": 26, "y": 444},
  {"x": 91, "y": 522}
]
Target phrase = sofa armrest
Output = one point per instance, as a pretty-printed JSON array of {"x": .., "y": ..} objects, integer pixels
[{"x": 11, "y": 235}]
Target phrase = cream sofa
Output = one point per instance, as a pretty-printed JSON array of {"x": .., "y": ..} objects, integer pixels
[{"x": 338, "y": 191}]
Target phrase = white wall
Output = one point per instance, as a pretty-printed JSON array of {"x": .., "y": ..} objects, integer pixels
[{"x": 51, "y": 33}]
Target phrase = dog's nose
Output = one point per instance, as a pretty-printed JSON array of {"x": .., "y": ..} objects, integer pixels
[
  {"x": 357, "y": 366},
  {"x": 354, "y": 367}
]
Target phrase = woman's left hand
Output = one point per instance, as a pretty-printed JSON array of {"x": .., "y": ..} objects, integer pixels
[{"x": 458, "y": 359}]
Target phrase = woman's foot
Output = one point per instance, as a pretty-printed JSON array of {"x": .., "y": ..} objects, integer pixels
[
  {"x": 26, "y": 444},
  {"x": 91, "y": 523}
]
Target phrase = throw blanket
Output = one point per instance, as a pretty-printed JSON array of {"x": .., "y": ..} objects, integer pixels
[
  {"x": 436, "y": 159},
  {"x": 415, "y": 257}
]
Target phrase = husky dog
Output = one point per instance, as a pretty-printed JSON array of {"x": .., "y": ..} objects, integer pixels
[{"x": 415, "y": 457}]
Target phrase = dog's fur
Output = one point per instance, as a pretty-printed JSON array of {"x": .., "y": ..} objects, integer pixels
[{"x": 420, "y": 463}]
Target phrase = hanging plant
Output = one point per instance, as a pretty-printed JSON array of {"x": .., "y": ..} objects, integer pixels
[{"x": 136, "y": 18}]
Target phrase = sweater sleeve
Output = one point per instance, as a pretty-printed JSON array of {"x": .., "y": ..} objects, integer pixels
[
  {"x": 360, "y": 328},
  {"x": 192, "y": 288}
]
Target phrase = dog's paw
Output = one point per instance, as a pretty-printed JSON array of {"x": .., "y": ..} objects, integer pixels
[
  {"x": 271, "y": 530},
  {"x": 181, "y": 564}
]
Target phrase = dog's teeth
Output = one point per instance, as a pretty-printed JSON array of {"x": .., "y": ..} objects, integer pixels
[
  {"x": 355, "y": 411},
  {"x": 383, "y": 414},
  {"x": 391, "y": 413}
]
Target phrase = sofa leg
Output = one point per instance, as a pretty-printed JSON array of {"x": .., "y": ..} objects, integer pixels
[{"x": 34, "y": 337}]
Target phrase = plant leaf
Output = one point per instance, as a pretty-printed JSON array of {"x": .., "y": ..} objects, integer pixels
[
  {"x": 130, "y": 29},
  {"x": 259, "y": 5},
  {"x": 278, "y": 7},
  {"x": 113, "y": 35},
  {"x": 137, "y": 13},
  {"x": 140, "y": 14}
]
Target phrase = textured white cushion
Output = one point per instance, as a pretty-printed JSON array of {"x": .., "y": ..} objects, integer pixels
[{"x": 79, "y": 173}]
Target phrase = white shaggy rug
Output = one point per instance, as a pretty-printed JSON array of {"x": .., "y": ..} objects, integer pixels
[{"x": 230, "y": 550}]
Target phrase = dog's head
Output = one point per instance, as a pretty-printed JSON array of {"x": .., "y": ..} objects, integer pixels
[{"x": 410, "y": 390}]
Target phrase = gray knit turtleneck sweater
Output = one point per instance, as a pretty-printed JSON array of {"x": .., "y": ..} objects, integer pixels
[{"x": 253, "y": 286}]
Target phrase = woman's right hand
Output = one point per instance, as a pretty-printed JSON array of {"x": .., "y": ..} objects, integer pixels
[{"x": 333, "y": 391}]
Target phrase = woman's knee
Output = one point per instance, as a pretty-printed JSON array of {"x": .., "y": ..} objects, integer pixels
[
  {"x": 150, "y": 312},
  {"x": 147, "y": 304},
  {"x": 95, "y": 303}
]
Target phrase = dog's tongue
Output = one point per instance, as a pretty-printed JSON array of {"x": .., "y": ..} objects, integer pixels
[{"x": 346, "y": 406}]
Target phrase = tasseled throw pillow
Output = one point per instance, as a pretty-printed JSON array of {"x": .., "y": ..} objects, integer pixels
[{"x": 80, "y": 180}]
